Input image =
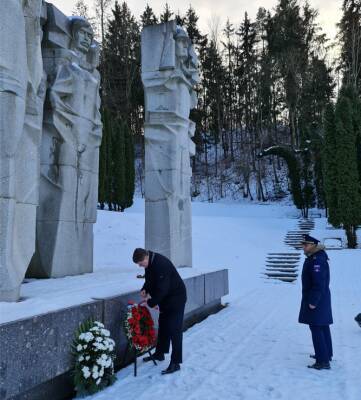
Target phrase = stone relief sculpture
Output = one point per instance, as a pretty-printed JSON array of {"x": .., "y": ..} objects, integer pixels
[
  {"x": 22, "y": 88},
  {"x": 169, "y": 74},
  {"x": 70, "y": 150}
]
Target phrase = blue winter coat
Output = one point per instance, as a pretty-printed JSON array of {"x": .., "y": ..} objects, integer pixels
[{"x": 316, "y": 291}]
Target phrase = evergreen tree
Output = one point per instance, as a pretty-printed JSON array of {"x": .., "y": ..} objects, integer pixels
[
  {"x": 104, "y": 191},
  {"x": 118, "y": 165},
  {"x": 148, "y": 17},
  {"x": 330, "y": 164},
  {"x": 129, "y": 166},
  {"x": 348, "y": 180},
  {"x": 167, "y": 14},
  {"x": 122, "y": 89},
  {"x": 286, "y": 41},
  {"x": 350, "y": 40},
  {"x": 191, "y": 24},
  {"x": 180, "y": 19}
]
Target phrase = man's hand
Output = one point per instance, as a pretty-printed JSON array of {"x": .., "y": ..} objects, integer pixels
[
  {"x": 143, "y": 293},
  {"x": 312, "y": 307}
]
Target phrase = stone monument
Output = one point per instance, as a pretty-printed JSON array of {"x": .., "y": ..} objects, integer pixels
[
  {"x": 70, "y": 149},
  {"x": 169, "y": 74},
  {"x": 22, "y": 88}
]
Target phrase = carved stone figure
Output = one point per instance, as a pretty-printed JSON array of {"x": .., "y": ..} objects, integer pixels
[
  {"x": 21, "y": 104},
  {"x": 70, "y": 150},
  {"x": 169, "y": 74}
]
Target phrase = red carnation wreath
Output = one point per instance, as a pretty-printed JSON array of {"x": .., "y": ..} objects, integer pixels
[{"x": 139, "y": 328}]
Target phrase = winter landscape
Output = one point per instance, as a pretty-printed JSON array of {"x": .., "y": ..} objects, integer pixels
[{"x": 180, "y": 200}]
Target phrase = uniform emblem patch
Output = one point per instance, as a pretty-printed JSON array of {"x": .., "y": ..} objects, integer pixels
[{"x": 317, "y": 268}]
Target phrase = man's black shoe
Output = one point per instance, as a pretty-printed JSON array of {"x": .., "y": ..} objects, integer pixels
[
  {"x": 172, "y": 368},
  {"x": 155, "y": 356},
  {"x": 319, "y": 366},
  {"x": 314, "y": 357}
]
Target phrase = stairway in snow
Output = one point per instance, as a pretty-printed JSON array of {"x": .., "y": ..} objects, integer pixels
[{"x": 284, "y": 266}]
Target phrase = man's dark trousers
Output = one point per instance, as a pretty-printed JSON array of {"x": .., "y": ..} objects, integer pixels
[
  {"x": 322, "y": 342},
  {"x": 171, "y": 331}
]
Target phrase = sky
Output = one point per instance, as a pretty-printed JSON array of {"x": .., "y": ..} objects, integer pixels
[{"x": 208, "y": 10}]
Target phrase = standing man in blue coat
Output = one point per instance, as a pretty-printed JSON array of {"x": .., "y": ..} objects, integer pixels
[{"x": 316, "y": 301}]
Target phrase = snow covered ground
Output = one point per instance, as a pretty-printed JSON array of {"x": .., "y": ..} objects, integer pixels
[{"x": 254, "y": 349}]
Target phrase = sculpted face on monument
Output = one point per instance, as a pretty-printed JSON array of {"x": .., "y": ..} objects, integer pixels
[
  {"x": 182, "y": 43},
  {"x": 82, "y": 35}
]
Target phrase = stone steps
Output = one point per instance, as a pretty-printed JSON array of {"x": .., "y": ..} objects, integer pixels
[{"x": 284, "y": 266}]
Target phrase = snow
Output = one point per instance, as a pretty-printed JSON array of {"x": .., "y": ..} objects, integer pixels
[{"x": 252, "y": 350}]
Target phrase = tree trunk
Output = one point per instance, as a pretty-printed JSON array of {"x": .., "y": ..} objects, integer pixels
[{"x": 351, "y": 236}]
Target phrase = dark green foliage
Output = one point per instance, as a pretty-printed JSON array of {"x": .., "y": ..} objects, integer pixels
[
  {"x": 348, "y": 179},
  {"x": 293, "y": 172},
  {"x": 123, "y": 166},
  {"x": 350, "y": 40},
  {"x": 104, "y": 188},
  {"x": 148, "y": 17},
  {"x": 167, "y": 14},
  {"x": 341, "y": 165},
  {"x": 330, "y": 165},
  {"x": 116, "y": 164}
]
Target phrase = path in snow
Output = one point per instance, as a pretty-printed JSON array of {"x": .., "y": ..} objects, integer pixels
[{"x": 255, "y": 349}]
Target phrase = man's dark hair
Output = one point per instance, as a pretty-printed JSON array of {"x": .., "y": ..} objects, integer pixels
[{"x": 139, "y": 255}]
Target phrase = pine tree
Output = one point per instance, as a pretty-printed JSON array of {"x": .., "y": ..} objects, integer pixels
[
  {"x": 148, "y": 17},
  {"x": 286, "y": 41},
  {"x": 330, "y": 165},
  {"x": 118, "y": 165},
  {"x": 167, "y": 14},
  {"x": 191, "y": 24},
  {"x": 122, "y": 92},
  {"x": 350, "y": 40},
  {"x": 348, "y": 180},
  {"x": 104, "y": 171},
  {"x": 129, "y": 169}
]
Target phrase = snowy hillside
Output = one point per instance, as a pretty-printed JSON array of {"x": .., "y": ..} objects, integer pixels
[{"x": 254, "y": 349}]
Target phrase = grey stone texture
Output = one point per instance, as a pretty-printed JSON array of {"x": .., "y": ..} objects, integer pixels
[
  {"x": 70, "y": 149},
  {"x": 169, "y": 74},
  {"x": 35, "y": 361},
  {"x": 22, "y": 90},
  {"x": 48, "y": 159}
]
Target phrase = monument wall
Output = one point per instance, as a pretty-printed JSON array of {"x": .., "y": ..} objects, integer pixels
[{"x": 169, "y": 74}]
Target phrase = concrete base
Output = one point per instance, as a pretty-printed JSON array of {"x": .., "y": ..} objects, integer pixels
[{"x": 35, "y": 361}]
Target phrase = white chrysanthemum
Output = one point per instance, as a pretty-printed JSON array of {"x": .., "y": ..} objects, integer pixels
[
  {"x": 79, "y": 347},
  {"x": 101, "y": 372},
  {"x": 99, "y": 324},
  {"x": 81, "y": 358},
  {"x": 86, "y": 372},
  {"x": 95, "y": 375},
  {"x": 105, "y": 332},
  {"x": 98, "y": 381},
  {"x": 98, "y": 339},
  {"x": 95, "y": 368},
  {"x": 87, "y": 358}
]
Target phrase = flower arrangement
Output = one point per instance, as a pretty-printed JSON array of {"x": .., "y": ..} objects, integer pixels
[
  {"x": 139, "y": 328},
  {"x": 94, "y": 355}
]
